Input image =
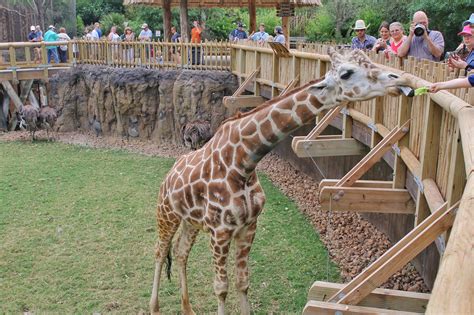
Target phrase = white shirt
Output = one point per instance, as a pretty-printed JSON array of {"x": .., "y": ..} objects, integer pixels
[
  {"x": 95, "y": 34},
  {"x": 63, "y": 37}
]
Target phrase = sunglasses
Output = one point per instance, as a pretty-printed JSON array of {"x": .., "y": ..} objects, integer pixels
[{"x": 357, "y": 31}]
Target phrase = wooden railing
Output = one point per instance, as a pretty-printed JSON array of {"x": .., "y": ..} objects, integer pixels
[
  {"x": 432, "y": 153},
  {"x": 203, "y": 56}
]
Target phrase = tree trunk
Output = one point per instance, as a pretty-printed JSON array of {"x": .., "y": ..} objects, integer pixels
[
  {"x": 183, "y": 19},
  {"x": 167, "y": 20}
]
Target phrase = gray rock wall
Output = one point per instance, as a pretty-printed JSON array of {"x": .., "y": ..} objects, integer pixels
[{"x": 146, "y": 103}]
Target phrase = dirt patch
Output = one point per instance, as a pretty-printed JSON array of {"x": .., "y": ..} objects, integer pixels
[{"x": 353, "y": 243}]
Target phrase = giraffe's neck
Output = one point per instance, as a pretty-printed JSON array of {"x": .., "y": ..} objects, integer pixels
[{"x": 255, "y": 135}]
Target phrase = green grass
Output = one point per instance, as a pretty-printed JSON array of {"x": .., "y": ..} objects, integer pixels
[{"x": 77, "y": 232}]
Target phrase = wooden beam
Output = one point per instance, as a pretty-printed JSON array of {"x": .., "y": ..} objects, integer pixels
[
  {"x": 241, "y": 88},
  {"x": 416, "y": 240},
  {"x": 374, "y": 155},
  {"x": 252, "y": 16},
  {"x": 432, "y": 194},
  {"x": 332, "y": 147},
  {"x": 33, "y": 100},
  {"x": 363, "y": 199},
  {"x": 359, "y": 183},
  {"x": 389, "y": 254},
  {"x": 326, "y": 308},
  {"x": 12, "y": 93},
  {"x": 25, "y": 89},
  {"x": 410, "y": 160},
  {"x": 319, "y": 128},
  {"x": 453, "y": 289},
  {"x": 4, "y": 112},
  {"x": 235, "y": 102},
  {"x": 30, "y": 74},
  {"x": 290, "y": 85},
  {"x": 43, "y": 95},
  {"x": 399, "y": 167},
  {"x": 380, "y": 298},
  {"x": 428, "y": 155},
  {"x": 285, "y": 25}
]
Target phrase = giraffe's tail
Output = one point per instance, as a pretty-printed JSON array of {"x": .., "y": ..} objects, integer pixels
[{"x": 169, "y": 260}]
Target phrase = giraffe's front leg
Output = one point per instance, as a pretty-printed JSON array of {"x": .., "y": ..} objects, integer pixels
[
  {"x": 183, "y": 247},
  {"x": 220, "y": 243},
  {"x": 243, "y": 243}
]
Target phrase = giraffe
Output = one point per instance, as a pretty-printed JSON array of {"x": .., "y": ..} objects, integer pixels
[{"x": 216, "y": 188}]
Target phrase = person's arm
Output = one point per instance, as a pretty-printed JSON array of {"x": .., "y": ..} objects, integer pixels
[
  {"x": 452, "y": 84},
  {"x": 435, "y": 46}
]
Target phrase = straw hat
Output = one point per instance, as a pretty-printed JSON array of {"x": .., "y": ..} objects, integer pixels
[{"x": 360, "y": 25}]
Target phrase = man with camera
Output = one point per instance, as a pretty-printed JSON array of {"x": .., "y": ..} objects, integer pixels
[{"x": 422, "y": 42}]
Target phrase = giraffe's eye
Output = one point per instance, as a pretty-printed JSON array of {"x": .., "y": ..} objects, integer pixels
[{"x": 346, "y": 75}]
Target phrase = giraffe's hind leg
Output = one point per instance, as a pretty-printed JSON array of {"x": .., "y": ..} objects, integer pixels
[
  {"x": 182, "y": 249},
  {"x": 168, "y": 224},
  {"x": 243, "y": 243}
]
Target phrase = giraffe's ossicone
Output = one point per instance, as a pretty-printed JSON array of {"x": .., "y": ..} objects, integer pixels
[{"x": 216, "y": 188}]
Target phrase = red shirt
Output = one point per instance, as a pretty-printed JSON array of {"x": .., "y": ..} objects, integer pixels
[{"x": 195, "y": 35}]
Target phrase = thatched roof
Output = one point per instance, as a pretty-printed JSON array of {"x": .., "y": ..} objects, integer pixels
[{"x": 225, "y": 3}]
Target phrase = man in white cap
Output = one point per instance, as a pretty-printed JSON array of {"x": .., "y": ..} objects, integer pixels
[
  {"x": 51, "y": 36},
  {"x": 145, "y": 34},
  {"x": 362, "y": 40}
]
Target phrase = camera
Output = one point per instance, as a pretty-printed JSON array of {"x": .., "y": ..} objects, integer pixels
[{"x": 419, "y": 30}]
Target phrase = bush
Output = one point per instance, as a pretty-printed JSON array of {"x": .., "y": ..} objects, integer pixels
[
  {"x": 322, "y": 27},
  {"x": 112, "y": 19},
  {"x": 79, "y": 26}
]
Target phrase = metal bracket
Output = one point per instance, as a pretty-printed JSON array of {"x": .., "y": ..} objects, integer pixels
[
  {"x": 419, "y": 183},
  {"x": 372, "y": 126},
  {"x": 441, "y": 244},
  {"x": 345, "y": 111},
  {"x": 396, "y": 149}
]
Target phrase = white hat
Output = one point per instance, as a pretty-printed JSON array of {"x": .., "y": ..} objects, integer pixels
[
  {"x": 32, "y": 28},
  {"x": 51, "y": 26},
  {"x": 360, "y": 25},
  {"x": 144, "y": 25}
]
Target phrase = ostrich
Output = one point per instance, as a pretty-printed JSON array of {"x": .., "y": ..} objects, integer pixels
[
  {"x": 196, "y": 133},
  {"x": 29, "y": 117},
  {"x": 47, "y": 118}
]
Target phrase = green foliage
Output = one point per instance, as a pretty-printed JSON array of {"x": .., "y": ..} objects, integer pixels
[
  {"x": 373, "y": 18},
  {"x": 321, "y": 28},
  {"x": 113, "y": 19},
  {"x": 93, "y": 11},
  {"x": 80, "y": 26},
  {"x": 78, "y": 234},
  {"x": 137, "y": 15}
]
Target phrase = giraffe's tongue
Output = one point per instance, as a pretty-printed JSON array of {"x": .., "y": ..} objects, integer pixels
[{"x": 407, "y": 91}]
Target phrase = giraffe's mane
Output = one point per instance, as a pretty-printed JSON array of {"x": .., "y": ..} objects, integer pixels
[{"x": 270, "y": 102}]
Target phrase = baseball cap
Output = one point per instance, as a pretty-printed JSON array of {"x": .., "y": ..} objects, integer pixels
[
  {"x": 144, "y": 25},
  {"x": 51, "y": 26},
  {"x": 32, "y": 28},
  {"x": 466, "y": 31}
]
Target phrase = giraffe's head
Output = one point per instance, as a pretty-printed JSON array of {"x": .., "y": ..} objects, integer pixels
[{"x": 353, "y": 77}]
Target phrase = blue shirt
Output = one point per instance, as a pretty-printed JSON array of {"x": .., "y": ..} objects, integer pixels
[
  {"x": 279, "y": 39},
  {"x": 368, "y": 43},
  {"x": 419, "y": 47},
  {"x": 471, "y": 79},
  {"x": 237, "y": 34},
  {"x": 259, "y": 36}
]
